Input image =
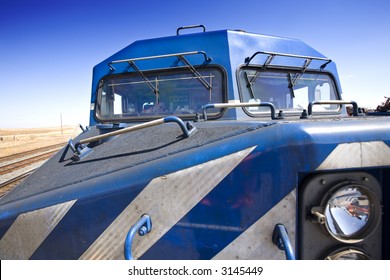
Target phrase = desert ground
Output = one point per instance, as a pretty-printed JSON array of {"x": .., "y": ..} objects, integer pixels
[
  {"x": 18, "y": 147},
  {"x": 14, "y": 141}
]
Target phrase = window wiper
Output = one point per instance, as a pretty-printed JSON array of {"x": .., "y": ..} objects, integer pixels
[
  {"x": 195, "y": 72},
  {"x": 249, "y": 85},
  {"x": 180, "y": 56},
  {"x": 291, "y": 85},
  {"x": 147, "y": 81},
  {"x": 292, "y": 81},
  {"x": 266, "y": 63}
]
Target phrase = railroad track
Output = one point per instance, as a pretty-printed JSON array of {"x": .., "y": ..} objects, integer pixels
[
  {"x": 25, "y": 162},
  {"x": 13, "y": 166},
  {"x": 32, "y": 152},
  {"x": 8, "y": 185}
]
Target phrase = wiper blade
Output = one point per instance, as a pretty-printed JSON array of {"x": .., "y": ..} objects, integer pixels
[
  {"x": 266, "y": 63},
  {"x": 195, "y": 72},
  {"x": 291, "y": 85},
  {"x": 147, "y": 81},
  {"x": 292, "y": 81},
  {"x": 249, "y": 85}
]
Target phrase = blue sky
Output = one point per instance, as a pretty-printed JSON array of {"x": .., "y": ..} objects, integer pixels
[{"x": 48, "y": 48}]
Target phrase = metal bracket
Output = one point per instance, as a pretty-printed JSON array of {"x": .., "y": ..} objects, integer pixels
[
  {"x": 143, "y": 226},
  {"x": 79, "y": 151},
  {"x": 84, "y": 129},
  {"x": 281, "y": 240}
]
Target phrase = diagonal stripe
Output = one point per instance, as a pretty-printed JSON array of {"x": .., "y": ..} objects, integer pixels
[
  {"x": 357, "y": 154},
  {"x": 166, "y": 200},
  {"x": 30, "y": 229},
  {"x": 256, "y": 242}
]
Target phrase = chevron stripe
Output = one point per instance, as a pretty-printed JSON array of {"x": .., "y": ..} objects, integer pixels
[
  {"x": 256, "y": 242},
  {"x": 166, "y": 200},
  {"x": 30, "y": 229},
  {"x": 357, "y": 155}
]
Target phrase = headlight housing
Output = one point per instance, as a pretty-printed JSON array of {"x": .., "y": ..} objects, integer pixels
[
  {"x": 336, "y": 209},
  {"x": 351, "y": 212},
  {"x": 347, "y": 254}
]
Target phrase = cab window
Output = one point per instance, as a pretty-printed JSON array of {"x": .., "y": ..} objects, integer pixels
[
  {"x": 130, "y": 97},
  {"x": 287, "y": 90}
]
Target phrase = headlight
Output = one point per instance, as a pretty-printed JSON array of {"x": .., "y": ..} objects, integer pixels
[
  {"x": 352, "y": 213},
  {"x": 347, "y": 254},
  {"x": 336, "y": 209}
]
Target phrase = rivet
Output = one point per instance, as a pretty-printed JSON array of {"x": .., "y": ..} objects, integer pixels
[{"x": 323, "y": 182}]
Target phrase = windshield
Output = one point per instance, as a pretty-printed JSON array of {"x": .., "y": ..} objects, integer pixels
[
  {"x": 134, "y": 97},
  {"x": 286, "y": 90}
]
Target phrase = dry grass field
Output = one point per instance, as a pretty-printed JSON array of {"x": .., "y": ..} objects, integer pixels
[{"x": 13, "y": 141}]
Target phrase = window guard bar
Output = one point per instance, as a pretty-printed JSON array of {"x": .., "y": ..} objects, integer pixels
[
  {"x": 207, "y": 59},
  {"x": 272, "y": 55},
  {"x": 180, "y": 56}
]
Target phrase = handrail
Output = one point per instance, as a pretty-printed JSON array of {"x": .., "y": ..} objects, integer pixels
[
  {"x": 207, "y": 59},
  {"x": 281, "y": 240},
  {"x": 190, "y": 26},
  {"x": 333, "y": 102},
  {"x": 188, "y": 129},
  {"x": 81, "y": 150},
  {"x": 237, "y": 105},
  {"x": 142, "y": 226}
]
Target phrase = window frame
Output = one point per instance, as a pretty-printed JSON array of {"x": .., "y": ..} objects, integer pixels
[
  {"x": 286, "y": 69},
  {"x": 165, "y": 71}
]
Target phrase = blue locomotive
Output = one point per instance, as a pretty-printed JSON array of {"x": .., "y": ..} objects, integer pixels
[{"x": 210, "y": 145}]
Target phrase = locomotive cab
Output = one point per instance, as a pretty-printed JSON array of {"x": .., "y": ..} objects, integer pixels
[{"x": 210, "y": 145}]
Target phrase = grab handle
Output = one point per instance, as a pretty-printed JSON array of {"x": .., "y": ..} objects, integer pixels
[
  {"x": 80, "y": 149},
  {"x": 281, "y": 240},
  {"x": 142, "y": 226},
  {"x": 333, "y": 102},
  {"x": 236, "y": 105},
  {"x": 190, "y": 26}
]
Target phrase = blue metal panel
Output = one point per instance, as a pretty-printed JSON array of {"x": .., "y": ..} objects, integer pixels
[
  {"x": 84, "y": 222},
  {"x": 231, "y": 208}
]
